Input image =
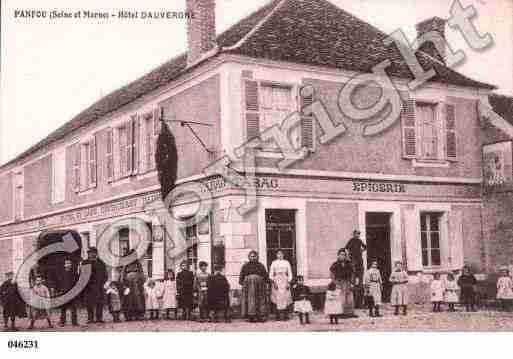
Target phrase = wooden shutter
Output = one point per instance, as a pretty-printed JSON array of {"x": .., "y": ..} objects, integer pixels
[
  {"x": 129, "y": 146},
  {"x": 412, "y": 236},
  {"x": 408, "y": 124},
  {"x": 307, "y": 122},
  {"x": 109, "y": 161},
  {"x": 450, "y": 132},
  {"x": 93, "y": 175},
  {"x": 76, "y": 167},
  {"x": 251, "y": 115},
  {"x": 136, "y": 123},
  {"x": 156, "y": 122},
  {"x": 456, "y": 239}
]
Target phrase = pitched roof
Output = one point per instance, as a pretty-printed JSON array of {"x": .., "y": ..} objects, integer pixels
[
  {"x": 502, "y": 105},
  {"x": 312, "y": 32}
]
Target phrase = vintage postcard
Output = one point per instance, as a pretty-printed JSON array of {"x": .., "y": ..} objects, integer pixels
[{"x": 251, "y": 166}]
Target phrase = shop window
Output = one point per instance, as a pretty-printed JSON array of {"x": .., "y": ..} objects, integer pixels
[
  {"x": 430, "y": 238},
  {"x": 281, "y": 235},
  {"x": 191, "y": 240},
  {"x": 124, "y": 242}
]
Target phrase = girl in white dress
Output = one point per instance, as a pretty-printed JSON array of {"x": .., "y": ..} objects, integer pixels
[
  {"x": 153, "y": 294},
  {"x": 437, "y": 292},
  {"x": 333, "y": 303},
  {"x": 373, "y": 284},
  {"x": 280, "y": 274},
  {"x": 169, "y": 294},
  {"x": 504, "y": 289},
  {"x": 451, "y": 292}
]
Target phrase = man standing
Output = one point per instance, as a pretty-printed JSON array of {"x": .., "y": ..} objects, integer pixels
[
  {"x": 355, "y": 247},
  {"x": 12, "y": 303},
  {"x": 94, "y": 291},
  {"x": 67, "y": 280}
]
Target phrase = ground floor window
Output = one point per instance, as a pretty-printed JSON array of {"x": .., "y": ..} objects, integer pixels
[
  {"x": 430, "y": 238},
  {"x": 191, "y": 240},
  {"x": 281, "y": 235}
]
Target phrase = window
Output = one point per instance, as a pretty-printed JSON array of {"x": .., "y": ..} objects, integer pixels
[
  {"x": 84, "y": 165},
  {"x": 151, "y": 130},
  {"x": 18, "y": 196},
  {"x": 59, "y": 176},
  {"x": 124, "y": 246},
  {"x": 191, "y": 240},
  {"x": 428, "y": 130},
  {"x": 268, "y": 104},
  {"x": 430, "y": 239},
  {"x": 126, "y": 143},
  {"x": 86, "y": 243},
  {"x": 281, "y": 235}
]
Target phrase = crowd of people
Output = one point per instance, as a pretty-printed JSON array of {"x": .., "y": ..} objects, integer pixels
[{"x": 262, "y": 291}]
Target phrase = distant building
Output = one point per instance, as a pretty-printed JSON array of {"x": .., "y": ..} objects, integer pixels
[{"x": 414, "y": 190}]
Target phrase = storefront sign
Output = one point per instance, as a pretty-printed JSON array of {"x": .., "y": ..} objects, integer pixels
[{"x": 381, "y": 187}]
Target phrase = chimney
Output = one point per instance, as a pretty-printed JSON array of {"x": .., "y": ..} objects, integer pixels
[
  {"x": 201, "y": 29},
  {"x": 433, "y": 24}
]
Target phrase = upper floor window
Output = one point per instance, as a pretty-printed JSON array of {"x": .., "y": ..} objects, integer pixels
[
  {"x": 84, "y": 165},
  {"x": 18, "y": 196},
  {"x": 150, "y": 128},
  {"x": 429, "y": 131},
  {"x": 268, "y": 104},
  {"x": 59, "y": 176},
  {"x": 430, "y": 238}
]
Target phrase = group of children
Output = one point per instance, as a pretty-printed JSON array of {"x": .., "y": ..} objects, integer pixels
[{"x": 174, "y": 293}]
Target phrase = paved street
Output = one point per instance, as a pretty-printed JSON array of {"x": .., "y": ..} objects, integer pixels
[{"x": 419, "y": 318}]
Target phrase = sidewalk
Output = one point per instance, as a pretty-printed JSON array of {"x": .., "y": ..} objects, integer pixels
[{"x": 419, "y": 318}]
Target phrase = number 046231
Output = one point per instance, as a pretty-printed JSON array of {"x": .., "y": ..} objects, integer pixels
[{"x": 22, "y": 344}]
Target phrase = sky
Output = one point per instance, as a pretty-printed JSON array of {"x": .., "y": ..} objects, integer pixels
[{"x": 52, "y": 69}]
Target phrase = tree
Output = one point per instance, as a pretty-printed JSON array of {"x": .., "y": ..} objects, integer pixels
[{"x": 166, "y": 158}]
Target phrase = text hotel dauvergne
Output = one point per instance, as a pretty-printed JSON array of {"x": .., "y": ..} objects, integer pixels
[{"x": 432, "y": 191}]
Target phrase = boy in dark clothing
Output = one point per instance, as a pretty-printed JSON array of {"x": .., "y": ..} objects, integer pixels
[
  {"x": 467, "y": 283},
  {"x": 201, "y": 286},
  {"x": 185, "y": 290},
  {"x": 67, "y": 280},
  {"x": 12, "y": 303},
  {"x": 218, "y": 294}
]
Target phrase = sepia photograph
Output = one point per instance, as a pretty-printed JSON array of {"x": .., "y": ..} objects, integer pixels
[{"x": 255, "y": 166}]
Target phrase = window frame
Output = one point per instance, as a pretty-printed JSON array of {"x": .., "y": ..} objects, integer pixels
[
  {"x": 438, "y": 121},
  {"x": 429, "y": 245}
]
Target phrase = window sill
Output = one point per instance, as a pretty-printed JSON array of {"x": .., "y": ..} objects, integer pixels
[
  {"x": 430, "y": 163},
  {"x": 120, "y": 181},
  {"x": 85, "y": 192},
  {"x": 147, "y": 174},
  {"x": 280, "y": 155}
]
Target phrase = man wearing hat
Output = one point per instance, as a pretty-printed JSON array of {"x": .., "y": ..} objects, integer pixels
[
  {"x": 355, "y": 247},
  {"x": 93, "y": 292},
  {"x": 13, "y": 305}
]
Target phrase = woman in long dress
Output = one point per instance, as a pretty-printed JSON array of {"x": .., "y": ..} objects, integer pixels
[
  {"x": 342, "y": 274},
  {"x": 134, "y": 305},
  {"x": 253, "y": 278},
  {"x": 280, "y": 274}
]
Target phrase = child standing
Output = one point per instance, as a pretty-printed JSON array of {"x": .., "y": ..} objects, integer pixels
[
  {"x": 185, "y": 289},
  {"x": 218, "y": 294},
  {"x": 399, "y": 280},
  {"x": 504, "y": 289},
  {"x": 153, "y": 295},
  {"x": 302, "y": 304},
  {"x": 333, "y": 303},
  {"x": 451, "y": 292},
  {"x": 467, "y": 282},
  {"x": 372, "y": 284},
  {"x": 201, "y": 287},
  {"x": 40, "y": 310},
  {"x": 169, "y": 294},
  {"x": 437, "y": 292},
  {"x": 114, "y": 300},
  {"x": 12, "y": 303}
]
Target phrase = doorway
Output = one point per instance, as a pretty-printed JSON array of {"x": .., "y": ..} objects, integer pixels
[
  {"x": 378, "y": 246},
  {"x": 280, "y": 227}
]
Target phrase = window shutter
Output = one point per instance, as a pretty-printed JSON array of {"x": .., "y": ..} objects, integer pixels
[
  {"x": 119, "y": 153},
  {"x": 129, "y": 146},
  {"x": 76, "y": 167},
  {"x": 110, "y": 153},
  {"x": 84, "y": 165},
  {"x": 456, "y": 239},
  {"x": 413, "y": 245},
  {"x": 156, "y": 122},
  {"x": 450, "y": 132},
  {"x": 252, "y": 115},
  {"x": 92, "y": 158},
  {"x": 409, "y": 128},
  {"x": 307, "y": 123},
  {"x": 135, "y": 144}
]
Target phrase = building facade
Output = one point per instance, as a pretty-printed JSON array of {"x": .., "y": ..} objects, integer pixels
[{"x": 414, "y": 190}]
